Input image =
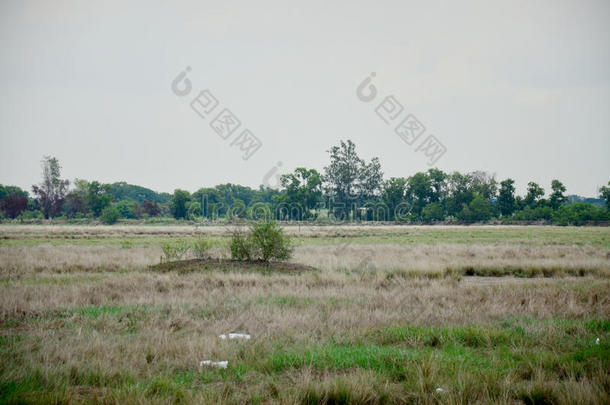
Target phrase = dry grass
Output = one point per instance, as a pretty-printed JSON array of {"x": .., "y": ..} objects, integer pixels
[
  {"x": 399, "y": 260},
  {"x": 94, "y": 324}
]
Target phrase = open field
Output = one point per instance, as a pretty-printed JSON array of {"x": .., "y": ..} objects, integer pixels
[{"x": 390, "y": 314}]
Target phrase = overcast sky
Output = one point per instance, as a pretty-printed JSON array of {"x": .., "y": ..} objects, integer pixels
[{"x": 517, "y": 88}]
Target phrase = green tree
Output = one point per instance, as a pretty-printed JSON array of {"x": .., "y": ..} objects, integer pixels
[
  {"x": 303, "y": 190},
  {"x": 419, "y": 192},
  {"x": 193, "y": 209},
  {"x": 264, "y": 242},
  {"x": 342, "y": 174},
  {"x": 110, "y": 215},
  {"x": 460, "y": 193},
  {"x": 506, "y": 197},
  {"x": 97, "y": 196},
  {"x": 52, "y": 191},
  {"x": 604, "y": 192},
  {"x": 238, "y": 210},
  {"x": 433, "y": 212},
  {"x": 534, "y": 192},
  {"x": 480, "y": 208},
  {"x": 438, "y": 182},
  {"x": 370, "y": 180},
  {"x": 178, "y": 203},
  {"x": 127, "y": 209},
  {"x": 393, "y": 194},
  {"x": 557, "y": 197}
]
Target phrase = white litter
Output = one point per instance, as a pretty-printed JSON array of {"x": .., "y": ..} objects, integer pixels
[
  {"x": 440, "y": 390},
  {"x": 216, "y": 364},
  {"x": 235, "y": 336},
  {"x": 597, "y": 341}
]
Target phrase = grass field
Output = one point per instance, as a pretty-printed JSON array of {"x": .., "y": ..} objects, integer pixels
[{"x": 384, "y": 314}]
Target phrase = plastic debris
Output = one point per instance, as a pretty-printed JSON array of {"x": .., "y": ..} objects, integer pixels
[
  {"x": 216, "y": 364},
  {"x": 235, "y": 336},
  {"x": 597, "y": 341},
  {"x": 440, "y": 390}
]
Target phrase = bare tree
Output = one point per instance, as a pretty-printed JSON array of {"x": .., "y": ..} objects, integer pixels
[{"x": 52, "y": 191}]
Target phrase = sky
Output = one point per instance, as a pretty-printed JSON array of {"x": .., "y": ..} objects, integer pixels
[{"x": 520, "y": 89}]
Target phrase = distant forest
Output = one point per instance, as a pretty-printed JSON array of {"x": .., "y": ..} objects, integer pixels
[{"x": 349, "y": 189}]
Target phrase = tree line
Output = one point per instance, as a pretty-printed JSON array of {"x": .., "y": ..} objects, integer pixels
[{"x": 348, "y": 189}]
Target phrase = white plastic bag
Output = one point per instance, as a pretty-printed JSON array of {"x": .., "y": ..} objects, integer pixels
[
  {"x": 235, "y": 336},
  {"x": 214, "y": 364}
]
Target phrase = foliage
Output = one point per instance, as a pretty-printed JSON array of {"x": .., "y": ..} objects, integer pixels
[
  {"x": 303, "y": 189},
  {"x": 604, "y": 192},
  {"x": 174, "y": 250},
  {"x": 238, "y": 209},
  {"x": 97, "y": 195},
  {"x": 52, "y": 190},
  {"x": 110, "y": 215},
  {"x": 557, "y": 197},
  {"x": 201, "y": 248},
  {"x": 123, "y": 191},
  {"x": 150, "y": 208},
  {"x": 270, "y": 242},
  {"x": 506, "y": 197},
  {"x": 178, "y": 203},
  {"x": 265, "y": 241},
  {"x": 579, "y": 214},
  {"x": 74, "y": 205},
  {"x": 241, "y": 246},
  {"x": 348, "y": 176},
  {"x": 433, "y": 212},
  {"x": 5, "y": 191},
  {"x": 127, "y": 209},
  {"x": 393, "y": 194},
  {"x": 534, "y": 193},
  {"x": 13, "y": 205}
]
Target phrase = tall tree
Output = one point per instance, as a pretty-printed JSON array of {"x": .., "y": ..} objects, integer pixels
[
  {"x": 342, "y": 174},
  {"x": 557, "y": 197},
  {"x": 534, "y": 192},
  {"x": 178, "y": 203},
  {"x": 98, "y": 196},
  {"x": 303, "y": 190},
  {"x": 506, "y": 198},
  {"x": 604, "y": 192},
  {"x": 438, "y": 181},
  {"x": 52, "y": 191},
  {"x": 393, "y": 194},
  {"x": 419, "y": 192},
  {"x": 370, "y": 180}
]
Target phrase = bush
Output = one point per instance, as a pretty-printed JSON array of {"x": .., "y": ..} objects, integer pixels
[
  {"x": 270, "y": 242},
  {"x": 201, "y": 247},
  {"x": 109, "y": 215},
  {"x": 241, "y": 246},
  {"x": 265, "y": 241},
  {"x": 127, "y": 209},
  {"x": 579, "y": 214},
  {"x": 29, "y": 215},
  {"x": 174, "y": 250}
]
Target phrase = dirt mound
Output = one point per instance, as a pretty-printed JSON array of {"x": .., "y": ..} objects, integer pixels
[{"x": 187, "y": 266}]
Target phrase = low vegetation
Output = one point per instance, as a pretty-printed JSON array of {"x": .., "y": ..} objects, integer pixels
[
  {"x": 263, "y": 242},
  {"x": 388, "y": 315}
]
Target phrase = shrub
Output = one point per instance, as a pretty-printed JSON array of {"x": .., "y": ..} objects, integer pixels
[
  {"x": 241, "y": 246},
  {"x": 174, "y": 250},
  {"x": 201, "y": 247},
  {"x": 29, "y": 215},
  {"x": 265, "y": 241},
  {"x": 270, "y": 242},
  {"x": 127, "y": 209},
  {"x": 109, "y": 215}
]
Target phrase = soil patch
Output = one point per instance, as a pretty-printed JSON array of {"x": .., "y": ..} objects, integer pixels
[{"x": 187, "y": 266}]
